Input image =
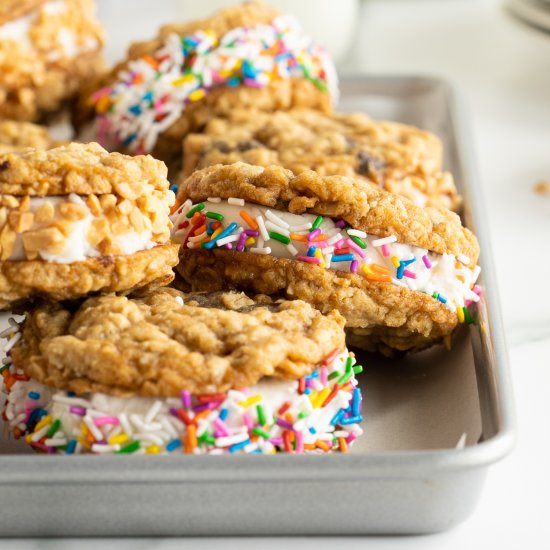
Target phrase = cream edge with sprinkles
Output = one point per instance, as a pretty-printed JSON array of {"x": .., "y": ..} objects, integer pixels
[
  {"x": 151, "y": 94},
  {"x": 233, "y": 224},
  {"x": 318, "y": 413}
]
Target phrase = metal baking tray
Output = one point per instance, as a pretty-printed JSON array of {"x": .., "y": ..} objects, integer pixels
[{"x": 434, "y": 422}]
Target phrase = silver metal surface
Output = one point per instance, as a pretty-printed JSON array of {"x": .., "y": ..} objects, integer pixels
[{"x": 404, "y": 476}]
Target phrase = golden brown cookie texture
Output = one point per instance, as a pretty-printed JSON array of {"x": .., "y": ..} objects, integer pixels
[
  {"x": 16, "y": 135},
  {"x": 381, "y": 315},
  {"x": 281, "y": 94},
  {"x": 167, "y": 341},
  {"x": 276, "y": 96},
  {"x": 82, "y": 168},
  {"x": 396, "y": 157},
  {"x": 361, "y": 205},
  {"x": 21, "y": 281},
  {"x": 48, "y": 49}
]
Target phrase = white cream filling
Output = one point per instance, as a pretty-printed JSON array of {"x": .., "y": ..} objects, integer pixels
[
  {"x": 275, "y": 393},
  {"x": 441, "y": 277},
  {"x": 77, "y": 245},
  {"x": 151, "y": 421}
]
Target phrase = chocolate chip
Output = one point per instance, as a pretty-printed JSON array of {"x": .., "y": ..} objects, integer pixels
[{"x": 4, "y": 165}]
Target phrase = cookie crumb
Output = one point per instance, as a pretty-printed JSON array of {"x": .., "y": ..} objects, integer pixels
[{"x": 542, "y": 188}]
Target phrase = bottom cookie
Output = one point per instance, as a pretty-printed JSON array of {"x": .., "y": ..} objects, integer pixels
[
  {"x": 379, "y": 317},
  {"x": 23, "y": 280},
  {"x": 319, "y": 412}
]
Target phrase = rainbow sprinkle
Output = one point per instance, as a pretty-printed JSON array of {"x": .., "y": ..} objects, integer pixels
[
  {"x": 329, "y": 244},
  {"x": 319, "y": 412},
  {"x": 151, "y": 94}
]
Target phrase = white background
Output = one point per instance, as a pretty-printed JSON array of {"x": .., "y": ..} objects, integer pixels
[{"x": 503, "y": 69}]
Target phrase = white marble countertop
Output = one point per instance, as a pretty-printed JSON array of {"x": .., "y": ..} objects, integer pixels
[{"x": 502, "y": 68}]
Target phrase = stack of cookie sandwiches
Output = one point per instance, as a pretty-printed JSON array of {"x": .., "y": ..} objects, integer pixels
[
  {"x": 108, "y": 360},
  {"x": 296, "y": 231},
  {"x": 76, "y": 219},
  {"x": 333, "y": 208}
]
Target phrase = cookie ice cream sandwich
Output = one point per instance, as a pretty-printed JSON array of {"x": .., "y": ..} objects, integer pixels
[
  {"x": 401, "y": 275},
  {"x": 47, "y": 48},
  {"x": 76, "y": 220},
  {"x": 248, "y": 56},
  {"x": 170, "y": 372},
  {"x": 396, "y": 157}
]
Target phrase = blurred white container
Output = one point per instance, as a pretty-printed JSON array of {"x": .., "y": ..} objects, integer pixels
[{"x": 330, "y": 22}]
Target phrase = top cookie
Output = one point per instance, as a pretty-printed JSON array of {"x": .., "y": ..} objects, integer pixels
[
  {"x": 399, "y": 158},
  {"x": 361, "y": 205},
  {"x": 168, "y": 341},
  {"x": 247, "y": 55},
  {"x": 78, "y": 168}
]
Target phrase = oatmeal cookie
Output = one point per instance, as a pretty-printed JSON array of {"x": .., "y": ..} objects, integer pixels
[
  {"x": 83, "y": 168},
  {"x": 47, "y": 48},
  {"x": 402, "y": 275},
  {"x": 247, "y": 55},
  {"x": 76, "y": 219},
  {"x": 159, "y": 345},
  {"x": 386, "y": 310},
  {"x": 167, "y": 373},
  {"x": 398, "y": 158}
]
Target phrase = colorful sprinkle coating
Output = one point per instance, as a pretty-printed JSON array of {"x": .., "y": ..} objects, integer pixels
[
  {"x": 320, "y": 412},
  {"x": 151, "y": 94},
  {"x": 331, "y": 244}
]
